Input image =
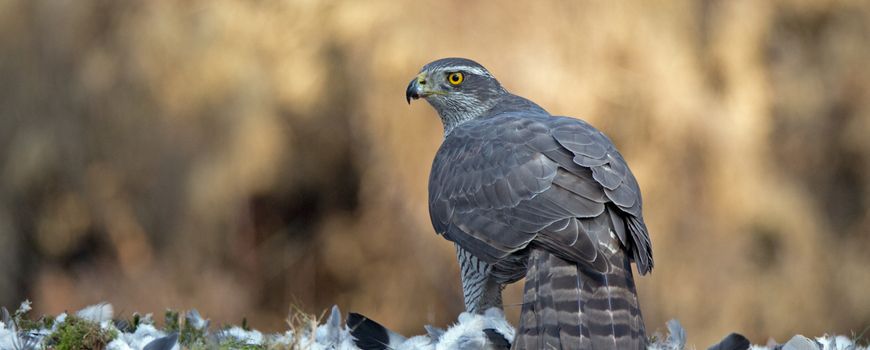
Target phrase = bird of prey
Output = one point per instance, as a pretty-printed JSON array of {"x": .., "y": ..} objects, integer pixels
[{"x": 523, "y": 193}]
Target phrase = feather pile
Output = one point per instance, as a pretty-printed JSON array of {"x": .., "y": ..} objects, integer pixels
[{"x": 471, "y": 331}]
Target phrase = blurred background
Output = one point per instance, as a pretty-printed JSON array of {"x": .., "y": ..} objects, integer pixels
[{"x": 243, "y": 157}]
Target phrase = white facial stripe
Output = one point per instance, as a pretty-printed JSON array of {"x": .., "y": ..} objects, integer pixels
[{"x": 472, "y": 70}]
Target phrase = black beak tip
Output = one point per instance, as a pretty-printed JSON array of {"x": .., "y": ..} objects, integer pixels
[{"x": 411, "y": 91}]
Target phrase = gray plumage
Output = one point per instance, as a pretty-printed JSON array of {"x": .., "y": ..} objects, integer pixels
[{"x": 523, "y": 193}]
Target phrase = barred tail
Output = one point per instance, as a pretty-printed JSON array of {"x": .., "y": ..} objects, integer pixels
[{"x": 567, "y": 306}]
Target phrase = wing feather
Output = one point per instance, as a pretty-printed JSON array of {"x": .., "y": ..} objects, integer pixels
[{"x": 501, "y": 183}]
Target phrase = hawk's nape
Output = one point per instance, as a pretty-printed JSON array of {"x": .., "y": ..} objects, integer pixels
[{"x": 523, "y": 193}]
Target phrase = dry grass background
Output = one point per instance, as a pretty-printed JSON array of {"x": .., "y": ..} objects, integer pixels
[{"x": 243, "y": 156}]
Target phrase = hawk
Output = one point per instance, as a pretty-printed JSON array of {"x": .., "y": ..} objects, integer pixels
[{"x": 523, "y": 193}]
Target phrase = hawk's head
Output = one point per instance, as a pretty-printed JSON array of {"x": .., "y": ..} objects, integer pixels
[{"x": 458, "y": 88}]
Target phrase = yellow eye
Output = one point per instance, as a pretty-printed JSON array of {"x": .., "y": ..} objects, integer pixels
[{"x": 455, "y": 78}]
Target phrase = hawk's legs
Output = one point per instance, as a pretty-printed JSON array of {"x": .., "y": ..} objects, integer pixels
[{"x": 480, "y": 289}]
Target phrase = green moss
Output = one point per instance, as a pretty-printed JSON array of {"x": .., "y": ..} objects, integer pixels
[
  {"x": 235, "y": 344},
  {"x": 188, "y": 335},
  {"x": 46, "y": 322},
  {"x": 191, "y": 336},
  {"x": 135, "y": 321},
  {"x": 78, "y": 334},
  {"x": 171, "y": 321},
  {"x": 26, "y": 324}
]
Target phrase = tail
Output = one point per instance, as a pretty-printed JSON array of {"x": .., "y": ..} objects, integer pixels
[{"x": 567, "y": 306}]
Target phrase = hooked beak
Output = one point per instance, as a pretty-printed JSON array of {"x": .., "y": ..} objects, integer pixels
[
  {"x": 411, "y": 91},
  {"x": 417, "y": 88}
]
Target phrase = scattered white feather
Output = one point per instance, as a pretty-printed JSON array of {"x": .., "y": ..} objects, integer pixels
[
  {"x": 195, "y": 320},
  {"x": 98, "y": 313},
  {"x": 284, "y": 338},
  {"x": 468, "y": 332},
  {"x": 420, "y": 342},
  {"x": 25, "y": 307},
  {"x": 58, "y": 320},
  {"x": 7, "y": 337},
  {"x": 330, "y": 332},
  {"x": 494, "y": 319},
  {"x": 837, "y": 342},
  {"x": 143, "y": 335},
  {"x": 334, "y": 335},
  {"x": 675, "y": 340},
  {"x": 826, "y": 342},
  {"x": 251, "y": 337}
]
